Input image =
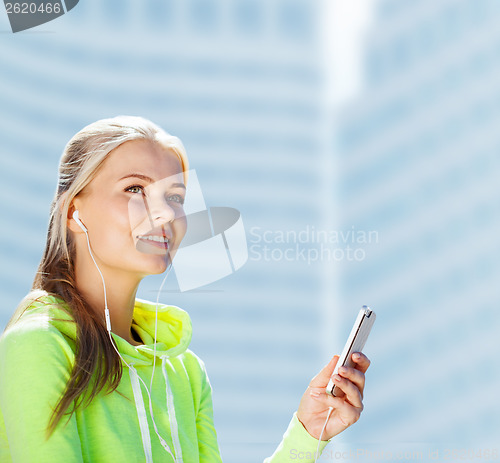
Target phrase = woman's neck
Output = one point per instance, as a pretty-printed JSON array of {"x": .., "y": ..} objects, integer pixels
[{"x": 121, "y": 289}]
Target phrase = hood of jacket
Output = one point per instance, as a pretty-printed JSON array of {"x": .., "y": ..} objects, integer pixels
[{"x": 173, "y": 331}]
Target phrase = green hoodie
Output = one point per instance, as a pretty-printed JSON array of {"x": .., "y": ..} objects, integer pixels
[{"x": 37, "y": 353}]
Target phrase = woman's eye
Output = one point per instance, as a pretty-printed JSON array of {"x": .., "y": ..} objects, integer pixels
[
  {"x": 135, "y": 189},
  {"x": 177, "y": 198}
]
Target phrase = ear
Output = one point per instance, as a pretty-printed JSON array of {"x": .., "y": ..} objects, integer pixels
[{"x": 70, "y": 221}]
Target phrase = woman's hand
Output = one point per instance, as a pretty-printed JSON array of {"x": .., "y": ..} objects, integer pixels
[{"x": 313, "y": 408}]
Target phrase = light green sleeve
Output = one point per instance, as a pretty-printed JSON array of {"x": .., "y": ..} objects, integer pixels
[
  {"x": 207, "y": 436},
  {"x": 35, "y": 364},
  {"x": 297, "y": 445}
]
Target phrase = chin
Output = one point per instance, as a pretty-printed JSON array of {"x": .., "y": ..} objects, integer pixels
[{"x": 160, "y": 265}]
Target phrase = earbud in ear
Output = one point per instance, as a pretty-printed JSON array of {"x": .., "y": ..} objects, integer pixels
[{"x": 78, "y": 221}]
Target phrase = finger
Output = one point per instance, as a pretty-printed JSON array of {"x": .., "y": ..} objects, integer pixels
[
  {"x": 355, "y": 376},
  {"x": 347, "y": 413},
  {"x": 353, "y": 394},
  {"x": 325, "y": 399},
  {"x": 361, "y": 361},
  {"x": 322, "y": 378}
]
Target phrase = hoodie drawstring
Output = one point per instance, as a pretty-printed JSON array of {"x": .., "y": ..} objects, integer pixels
[
  {"x": 143, "y": 420},
  {"x": 174, "y": 431},
  {"x": 141, "y": 414}
]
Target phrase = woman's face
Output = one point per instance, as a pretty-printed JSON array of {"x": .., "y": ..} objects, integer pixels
[{"x": 133, "y": 209}]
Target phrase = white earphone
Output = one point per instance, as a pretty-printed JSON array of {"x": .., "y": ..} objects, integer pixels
[
  {"x": 106, "y": 311},
  {"x": 78, "y": 221}
]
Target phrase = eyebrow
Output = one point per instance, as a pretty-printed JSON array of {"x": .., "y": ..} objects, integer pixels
[{"x": 150, "y": 180}]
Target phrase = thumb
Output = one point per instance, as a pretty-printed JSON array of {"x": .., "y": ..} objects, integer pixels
[{"x": 322, "y": 378}]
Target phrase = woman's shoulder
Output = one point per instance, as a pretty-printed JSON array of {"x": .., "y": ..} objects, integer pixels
[
  {"x": 194, "y": 365},
  {"x": 40, "y": 339},
  {"x": 40, "y": 313}
]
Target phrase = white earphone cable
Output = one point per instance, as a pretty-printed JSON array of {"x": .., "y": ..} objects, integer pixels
[
  {"x": 330, "y": 409},
  {"x": 156, "y": 322},
  {"x": 106, "y": 311}
]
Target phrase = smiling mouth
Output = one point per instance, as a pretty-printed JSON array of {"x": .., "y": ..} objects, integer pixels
[{"x": 158, "y": 241}]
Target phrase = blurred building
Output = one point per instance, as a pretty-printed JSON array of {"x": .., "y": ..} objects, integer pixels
[
  {"x": 240, "y": 83},
  {"x": 419, "y": 163}
]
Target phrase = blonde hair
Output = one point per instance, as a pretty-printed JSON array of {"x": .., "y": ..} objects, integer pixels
[
  {"x": 85, "y": 153},
  {"x": 97, "y": 364}
]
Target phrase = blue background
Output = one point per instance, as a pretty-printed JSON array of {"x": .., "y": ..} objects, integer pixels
[{"x": 414, "y": 157}]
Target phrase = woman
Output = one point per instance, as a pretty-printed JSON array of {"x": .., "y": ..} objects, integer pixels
[{"x": 88, "y": 372}]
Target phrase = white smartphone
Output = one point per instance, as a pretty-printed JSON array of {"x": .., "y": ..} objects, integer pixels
[{"x": 355, "y": 343}]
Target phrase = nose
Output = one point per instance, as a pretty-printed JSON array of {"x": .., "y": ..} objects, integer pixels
[{"x": 160, "y": 211}]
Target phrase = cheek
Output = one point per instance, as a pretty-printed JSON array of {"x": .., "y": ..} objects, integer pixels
[
  {"x": 114, "y": 226},
  {"x": 180, "y": 226},
  {"x": 137, "y": 212}
]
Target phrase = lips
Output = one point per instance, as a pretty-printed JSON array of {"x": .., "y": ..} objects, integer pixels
[{"x": 154, "y": 239}]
